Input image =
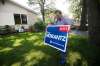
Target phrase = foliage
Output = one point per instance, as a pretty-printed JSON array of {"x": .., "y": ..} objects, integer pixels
[
  {"x": 39, "y": 26},
  {"x": 49, "y": 15},
  {"x": 49, "y": 18},
  {"x": 7, "y": 29},
  {"x": 42, "y": 5},
  {"x": 76, "y": 8}
]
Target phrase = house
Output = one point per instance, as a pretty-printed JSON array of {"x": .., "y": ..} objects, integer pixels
[{"x": 16, "y": 15}]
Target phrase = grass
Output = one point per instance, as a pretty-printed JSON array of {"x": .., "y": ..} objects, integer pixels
[{"x": 28, "y": 49}]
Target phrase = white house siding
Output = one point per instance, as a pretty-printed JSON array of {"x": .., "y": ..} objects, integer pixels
[
  {"x": 6, "y": 19},
  {"x": 8, "y": 10},
  {"x": 31, "y": 18}
]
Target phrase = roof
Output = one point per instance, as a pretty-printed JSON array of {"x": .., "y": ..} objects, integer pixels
[{"x": 30, "y": 10}]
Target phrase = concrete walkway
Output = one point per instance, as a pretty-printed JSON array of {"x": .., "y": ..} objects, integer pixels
[{"x": 78, "y": 32}]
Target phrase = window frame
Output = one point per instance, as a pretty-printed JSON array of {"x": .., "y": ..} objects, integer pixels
[{"x": 21, "y": 19}]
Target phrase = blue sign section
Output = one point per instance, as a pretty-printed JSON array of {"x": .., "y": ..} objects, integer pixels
[{"x": 56, "y": 36}]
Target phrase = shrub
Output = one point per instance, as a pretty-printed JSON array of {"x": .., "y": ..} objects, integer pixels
[
  {"x": 39, "y": 26},
  {"x": 7, "y": 29}
]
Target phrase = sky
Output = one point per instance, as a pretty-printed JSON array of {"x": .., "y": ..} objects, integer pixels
[{"x": 62, "y": 5}]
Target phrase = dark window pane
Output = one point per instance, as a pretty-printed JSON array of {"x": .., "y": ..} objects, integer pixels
[
  {"x": 17, "y": 18},
  {"x": 24, "y": 19}
]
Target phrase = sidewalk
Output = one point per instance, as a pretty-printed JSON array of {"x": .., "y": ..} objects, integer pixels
[{"x": 78, "y": 32}]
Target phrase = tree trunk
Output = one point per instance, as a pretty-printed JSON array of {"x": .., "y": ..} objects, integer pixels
[
  {"x": 94, "y": 26},
  {"x": 94, "y": 21},
  {"x": 83, "y": 16},
  {"x": 43, "y": 14},
  {"x": 43, "y": 10}
]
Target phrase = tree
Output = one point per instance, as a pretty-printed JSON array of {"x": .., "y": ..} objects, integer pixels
[
  {"x": 91, "y": 14},
  {"x": 79, "y": 11},
  {"x": 49, "y": 15},
  {"x": 83, "y": 20},
  {"x": 94, "y": 21},
  {"x": 94, "y": 26},
  {"x": 42, "y": 5},
  {"x": 75, "y": 9}
]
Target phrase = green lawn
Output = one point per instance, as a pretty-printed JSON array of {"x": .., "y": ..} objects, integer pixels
[{"x": 28, "y": 49}]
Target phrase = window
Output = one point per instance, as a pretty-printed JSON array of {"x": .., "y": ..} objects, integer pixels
[
  {"x": 24, "y": 19},
  {"x": 20, "y": 19},
  {"x": 17, "y": 18}
]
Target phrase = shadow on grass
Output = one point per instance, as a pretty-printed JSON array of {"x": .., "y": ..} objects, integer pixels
[
  {"x": 87, "y": 52},
  {"x": 16, "y": 54},
  {"x": 33, "y": 52}
]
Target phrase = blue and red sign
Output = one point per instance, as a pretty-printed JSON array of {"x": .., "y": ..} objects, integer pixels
[{"x": 56, "y": 36}]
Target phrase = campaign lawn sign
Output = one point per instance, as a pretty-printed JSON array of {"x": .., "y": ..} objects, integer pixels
[{"x": 56, "y": 36}]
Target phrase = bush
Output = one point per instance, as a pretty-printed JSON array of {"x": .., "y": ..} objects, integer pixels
[
  {"x": 7, "y": 29},
  {"x": 39, "y": 26}
]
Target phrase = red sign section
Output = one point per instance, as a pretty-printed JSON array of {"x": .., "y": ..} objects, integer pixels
[{"x": 64, "y": 28}]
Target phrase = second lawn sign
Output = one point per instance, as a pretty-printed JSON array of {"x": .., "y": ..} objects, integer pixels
[{"x": 56, "y": 36}]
